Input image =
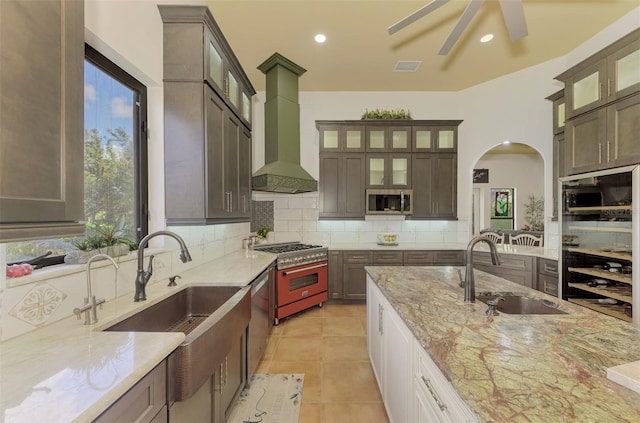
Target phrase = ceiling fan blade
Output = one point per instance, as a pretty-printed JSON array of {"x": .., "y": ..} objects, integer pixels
[
  {"x": 514, "y": 18},
  {"x": 464, "y": 20},
  {"x": 416, "y": 15}
]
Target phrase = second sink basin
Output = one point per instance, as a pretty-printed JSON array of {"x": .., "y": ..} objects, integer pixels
[
  {"x": 520, "y": 304},
  {"x": 211, "y": 317}
]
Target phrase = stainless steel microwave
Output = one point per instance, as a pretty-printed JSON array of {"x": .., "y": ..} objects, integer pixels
[{"x": 389, "y": 201}]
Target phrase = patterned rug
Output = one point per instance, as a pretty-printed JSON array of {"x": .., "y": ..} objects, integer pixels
[{"x": 269, "y": 398}]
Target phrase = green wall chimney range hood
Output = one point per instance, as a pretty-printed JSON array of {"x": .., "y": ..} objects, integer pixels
[{"x": 282, "y": 171}]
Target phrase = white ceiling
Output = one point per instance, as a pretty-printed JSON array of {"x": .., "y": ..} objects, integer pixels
[{"x": 359, "y": 55}]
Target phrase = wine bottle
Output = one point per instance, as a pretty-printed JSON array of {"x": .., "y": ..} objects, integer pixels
[
  {"x": 601, "y": 283},
  {"x": 612, "y": 266}
]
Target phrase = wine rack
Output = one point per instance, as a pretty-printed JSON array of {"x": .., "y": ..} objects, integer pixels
[{"x": 599, "y": 257}]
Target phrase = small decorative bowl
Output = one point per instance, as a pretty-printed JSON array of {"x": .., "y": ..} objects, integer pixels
[{"x": 388, "y": 239}]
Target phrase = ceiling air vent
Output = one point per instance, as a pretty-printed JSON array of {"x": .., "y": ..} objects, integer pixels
[{"x": 407, "y": 66}]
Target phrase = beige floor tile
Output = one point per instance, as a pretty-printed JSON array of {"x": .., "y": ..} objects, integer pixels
[
  {"x": 343, "y": 326},
  {"x": 349, "y": 381},
  {"x": 311, "y": 388},
  {"x": 354, "y": 413},
  {"x": 340, "y": 310},
  {"x": 263, "y": 366},
  {"x": 299, "y": 349},
  {"x": 310, "y": 413},
  {"x": 307, "y": 326},
  {"x": 344, "y": 348},
  {"x": 271, "y": 348}
]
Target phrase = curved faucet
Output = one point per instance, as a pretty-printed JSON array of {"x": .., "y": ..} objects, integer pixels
[
  {"x": 469, "y": 283},
  {"x": 90, "y": 307},
  {"x": 143, "y": 276}
]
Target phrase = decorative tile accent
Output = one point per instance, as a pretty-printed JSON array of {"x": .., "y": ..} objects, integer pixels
[
  {"x": 262, "y": 215},
  {"x": 39, "y": 304}
]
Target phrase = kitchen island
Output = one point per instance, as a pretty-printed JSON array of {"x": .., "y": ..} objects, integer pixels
[{"x": 512, "y": 367}]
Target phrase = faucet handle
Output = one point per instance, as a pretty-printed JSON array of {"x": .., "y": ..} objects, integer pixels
[
  {"x": 461, "y": 284},
  {"x": 172, "y": 280},
  {"x": 149, "y": 270}
]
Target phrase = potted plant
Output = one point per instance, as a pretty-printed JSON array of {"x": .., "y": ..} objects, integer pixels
[
  {"x": 386, "y": 114},
  {"x": 102, "y": 239},
  {"x": 534, "y": 214},
  {"x": 263, "y": 234}
]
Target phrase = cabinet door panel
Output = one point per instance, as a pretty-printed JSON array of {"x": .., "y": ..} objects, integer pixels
[
  {"x": 215, "y": 113},
  {"x": 41, "y": 119},
  {"x": 585, "y": 136},
  {"x": 329, "y": 184},
  {"x": 422, "y": 185},
  {"x": 623, "y": 132},
  {"x": 185, "y": 169},
  {"x": 231, "y": 148},
  {"x": 354, "y": 282},
  {"x": 584, "y": 90},
  {"x": 445, "y": 195},
  {"x": 244, "y": 173},
  {"x": 335, "y": 275},
  {"x": 353, "y": 169},
  {"x": 624, "y": 71}
]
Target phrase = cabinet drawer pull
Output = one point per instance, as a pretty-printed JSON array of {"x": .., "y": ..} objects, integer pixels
[
  {"x": 427, "y": 383},
  {"x": 608, "y": 144}
]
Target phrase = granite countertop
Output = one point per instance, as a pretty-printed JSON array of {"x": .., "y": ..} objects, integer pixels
[
  {"x": 543, "y": 252},
  {"x": 516, "y": 367},
  {"x": 68, "y": 372}
]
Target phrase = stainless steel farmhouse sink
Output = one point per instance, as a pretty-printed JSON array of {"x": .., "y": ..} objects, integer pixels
[
  {"x": 520, "y": 304},
  {"x": 211, "y": 317}
]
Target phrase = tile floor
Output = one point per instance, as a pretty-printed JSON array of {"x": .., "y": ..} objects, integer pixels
[{"x": 328, "y": 345}]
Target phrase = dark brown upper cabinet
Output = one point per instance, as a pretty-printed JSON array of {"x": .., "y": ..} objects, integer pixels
[
  {"x": 41, "y": 119},
  {"x": 609, "y": 75}
]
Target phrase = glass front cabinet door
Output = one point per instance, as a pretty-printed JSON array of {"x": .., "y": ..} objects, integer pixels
[
  {"x": 388, "y": 171},
  {"x": 388, "y": 139},
  {"x": 341, "y": 138},
  {"x": 434, "y": 139}
]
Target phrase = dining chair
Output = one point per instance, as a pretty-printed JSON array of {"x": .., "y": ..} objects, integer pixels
[
  {"x": 527, "y": 239},
  {"x": 494, "y": 236}
]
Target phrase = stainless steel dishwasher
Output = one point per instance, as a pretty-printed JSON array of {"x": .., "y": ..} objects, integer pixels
[{"x": 262, "y": 312}]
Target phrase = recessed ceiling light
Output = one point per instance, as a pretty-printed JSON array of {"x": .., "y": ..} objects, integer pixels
[
  {"x": 486, "y": 38},
  {"x": 320, "y": 38},
  {"x": 506, "y": 142}
]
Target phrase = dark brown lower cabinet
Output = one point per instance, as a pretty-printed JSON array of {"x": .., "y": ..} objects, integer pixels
[
  {"x": 354, "y": 277},
  {"x": 548, "y": 276},
  {"x": 515, "y": 268},
  {"x": 347, "y": 275},
  {"x": 146, "y": 401}
]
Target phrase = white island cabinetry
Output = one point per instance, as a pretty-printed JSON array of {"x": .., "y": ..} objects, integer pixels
[
  {"x": 412, "y": 387},
  {"x": 390, "y": 350}
]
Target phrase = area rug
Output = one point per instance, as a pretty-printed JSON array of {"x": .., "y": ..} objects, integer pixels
[{"x": 269, "y": 398}]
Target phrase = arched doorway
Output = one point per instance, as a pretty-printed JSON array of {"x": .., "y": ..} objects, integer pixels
[{"x": 508, "y": 168}]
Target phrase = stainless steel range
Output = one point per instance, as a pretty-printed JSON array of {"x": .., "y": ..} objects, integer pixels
[{"x": 301, "y": 280}]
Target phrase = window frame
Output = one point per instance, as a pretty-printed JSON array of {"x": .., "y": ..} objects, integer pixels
[{"x": 140, "y": 147}]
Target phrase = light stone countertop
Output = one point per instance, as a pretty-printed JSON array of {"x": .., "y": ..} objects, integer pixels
[
  {"x": 546, "y": 368},
  {"x": 67, "y": 371},
  {"x": 543, "y": 252}
]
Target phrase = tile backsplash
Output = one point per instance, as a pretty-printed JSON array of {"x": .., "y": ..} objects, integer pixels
[
  {"x": 51, "y": 294},
  {"x": 296, "y": 218}
]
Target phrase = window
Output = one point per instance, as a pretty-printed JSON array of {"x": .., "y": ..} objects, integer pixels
[{"x": 115, "y": 160}]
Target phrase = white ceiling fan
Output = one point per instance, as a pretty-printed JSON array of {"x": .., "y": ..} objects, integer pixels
[{"x": 511, "y": 10}]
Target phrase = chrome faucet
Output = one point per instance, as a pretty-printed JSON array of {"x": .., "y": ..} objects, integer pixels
[
  {"x": 143, "y": 276},
  {"x": 90, "y": 307},
  {"x": 469, "y": 283}
]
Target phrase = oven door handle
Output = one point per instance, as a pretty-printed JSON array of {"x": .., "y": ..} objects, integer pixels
[{"x": 318, "y": 266}]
